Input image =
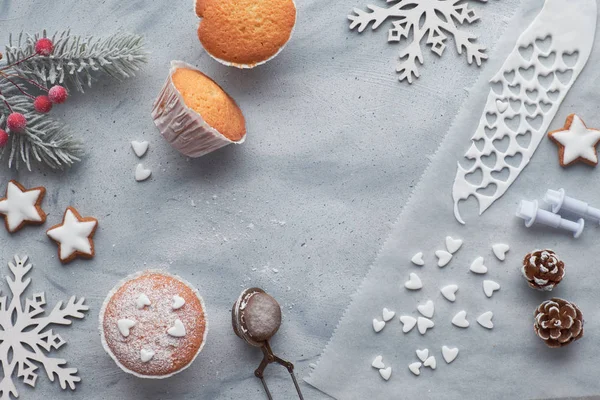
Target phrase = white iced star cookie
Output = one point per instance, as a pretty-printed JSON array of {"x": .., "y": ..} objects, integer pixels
[
  {"x": 21, "y": 206},
  {"x": 576, "y": 142},
  {"x": 74, "y": 236}
]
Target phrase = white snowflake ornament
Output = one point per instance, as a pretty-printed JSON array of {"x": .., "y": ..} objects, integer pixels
[
  {"x": 431, "y": 20},
  {"x": 28, "y": 338}
]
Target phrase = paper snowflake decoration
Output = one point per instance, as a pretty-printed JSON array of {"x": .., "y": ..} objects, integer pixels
[
  {"x": 25, "y": 340},
  {"x": 415, "y": 20}
]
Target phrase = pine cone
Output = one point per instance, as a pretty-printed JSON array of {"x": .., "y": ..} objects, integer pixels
[
  {"x": 543, "y": 269},
  {"x": 558, "y": 322}
]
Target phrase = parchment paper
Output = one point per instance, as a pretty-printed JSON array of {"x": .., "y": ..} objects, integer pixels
[{"x": 508, "y": 362}]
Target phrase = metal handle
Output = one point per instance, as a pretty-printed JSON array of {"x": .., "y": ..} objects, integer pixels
[{"x": 270, "y": 358}]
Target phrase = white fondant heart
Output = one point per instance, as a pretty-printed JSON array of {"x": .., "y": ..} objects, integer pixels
[
  {"x": 418, "y": 259},
  {"x": 378, "y": 325},
  {"x": 387, "y": 314},
  {"x": 386, "y": 373},
  {"x": 408, "y": 323},
  {"x": 178, "y": 302},
  {"x": 501, "y": 106},
  {"x": 423, "y": 324},
  {"x": 423, "y": 354},
  {"x": 430, "y": 362},
  {"x": 414, "y": 282},
  {"x": 453, "y": 245},
  {"x": 449, "y": 354},
  {"x": 415, "y": 368},
  {"x": 146, "y": 355},
  {"x": 426, "y": 309},
  {"x": 177, "y": 330},
  {"x": 142, "y": 301},
  {"x": 378, "y": 362},
  {"x": 500, "y": 250},
  {"x": 139, "y": 148},
  {"x": 460, "y": 319},
  {"x": 449, "y": 292},
  {"x": 125, "y": 325},
  {"x": 485, "y": 320},
  {"x": 478, "y": 267},
  {"x": 443, "y": 258},
  {"x": 141, "y": 174},
  {"x": 489, "y": 287}
]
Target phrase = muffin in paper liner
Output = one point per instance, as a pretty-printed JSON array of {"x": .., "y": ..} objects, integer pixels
[
  {"x": 170, "y": 354},
  {"x": 184, "y": 128}
]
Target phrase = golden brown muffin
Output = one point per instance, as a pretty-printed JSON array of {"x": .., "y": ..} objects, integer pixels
[
  {"x": 245, "y": 33},
  {"x": 153, "y": 325}
]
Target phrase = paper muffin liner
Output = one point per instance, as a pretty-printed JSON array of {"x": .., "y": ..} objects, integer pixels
[
  {"x": 183, "y": 127},
  {"x": 111, "y": 294}
]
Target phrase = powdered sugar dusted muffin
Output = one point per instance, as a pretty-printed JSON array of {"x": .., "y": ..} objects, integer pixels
[
  {"x": 153, "y": 324},
  {"x": 195, "y": 115}
]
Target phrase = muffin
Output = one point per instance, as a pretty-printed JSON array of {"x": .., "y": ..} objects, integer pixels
[
  {"x": 245, "y": 33},
  {"x": 255, "y": 316},
  {"x": 195, "y": 114},
  {"x": 153, "y": 324}
]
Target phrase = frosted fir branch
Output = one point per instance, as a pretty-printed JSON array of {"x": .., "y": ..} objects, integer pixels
[{"x": 76, "y": 60}]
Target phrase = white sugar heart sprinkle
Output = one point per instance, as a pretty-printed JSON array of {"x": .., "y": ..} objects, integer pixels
[
  {"x": 501, "y": 106},
  {"x": 426, "y": 309},
  {"x": 408, "y": 323},
  {"x": 142, "y": 301},
  {"x": 500, "y": 250},
  {"x": 387, "y": 314},
  {"x": 460, "y": 319},
  {"x": 485, "y": 320},
  {"x": 414, "y": 282},
  {"x": 478, "y": 267},
  {"x": 415, "y": 368},
  {"x": 423, "y": 324},
  {"x": 178, "y": 302},
  {"x": 489, "y": 287},
  {"x": 453, "y": 245},
  {"x": 430, "y": 362},
  {"x": 141, "y": 173},
  {"x": 146, "y": 355},
  {"x": 449, "y": 354},
  {"x": 386, "y": 373},
  {"x": 139, "y": 148},
  {"x": 443, "y": 258},
  {"x": 449, "y": 292},
  {"x": 177, "y": 330},
  {"x": 422, "y": 354},
  {"x": 378, "y": 325},
  {"x": 378, "y": 362},
  {"x": 418, "y": 259},
  {"x": 125, "y": 325}
]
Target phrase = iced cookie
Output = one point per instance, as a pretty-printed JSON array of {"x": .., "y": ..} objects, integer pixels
[
  {"x": 22, "y": 206},
  {"x": 245, "y": 33},
  {"x": 153, "y": 324},
  {"x": 576, "y": 142},
  {"x": 74, "y": 236},
  {"x": 195, "y": 115}
]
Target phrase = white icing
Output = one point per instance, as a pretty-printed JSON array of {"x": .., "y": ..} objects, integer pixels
[
  {"x": 426, "y": 309},
  {"x": 430, "y": 362},
  {"x": 460, "y": 319},
  {"x": 139, "y": 148},
  {"x": 500, "y": 250},
  {"x": 443, "y": 258},
  {"x": 386, "y": 373},
  {"x": 449, "y": 292},
  {"x": 125, "y": 325},
  {"x": 415, "y": 368},
  {"x": 539, "y": 281},
  {"x": 177, "y": 330},
  {"x": 485, "y": 320},
  {"x": 142, "y": 301},
  {"x": 378, "y": 362},
  {"x": 178, "y": 302},
  {"x": 408, "y": 323},
  {"x": 387, "y": 314},
  {"x": 414, "y": 282},
  {"x": 567, "y": 30},
  {"x": 20, "y": 206},
  {"x": 146, "y": 355},
  {"x": 478, "y": 267},
  {"x": 449, "y": 354},
  {"x": 73, "y": 235},
  {"x": 378, "y": 325},
  {"x": 489, "y": 287},
  {"x": 578, "y": 141},
  {"x": 423, "y": 324},
  {"x": 417, "y": 259},
  {"x": 501, "y": 105},
  {"x": 453, "y": 245},
  {"x": 141, "y": 173},
  {"x": 423, "y": 354}
]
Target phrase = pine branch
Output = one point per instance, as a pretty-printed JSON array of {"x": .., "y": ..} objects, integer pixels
[{"x": 76, "y": 60}]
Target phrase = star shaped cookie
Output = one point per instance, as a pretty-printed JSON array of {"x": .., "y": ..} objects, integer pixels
[
  {"x": 21, "y": 207},
  {"x": 576, "y": 142},
  {"x": 74, "y": 236}
]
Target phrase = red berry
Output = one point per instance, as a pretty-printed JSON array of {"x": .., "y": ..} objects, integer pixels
[
  {"x": 44, "y": 46},
  {"x": 3, "y": 138},
  {"x": 16, "y": 122},
  {"x": 42, "y": 104},
  {"x": 57, "y": 94}
]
